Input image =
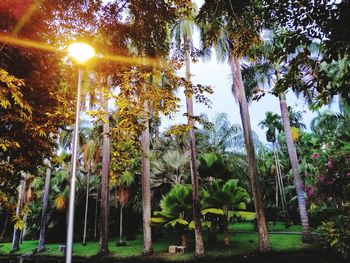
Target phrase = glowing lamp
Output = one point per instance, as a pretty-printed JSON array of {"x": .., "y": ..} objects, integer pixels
[{"x": 81, "y": 52}]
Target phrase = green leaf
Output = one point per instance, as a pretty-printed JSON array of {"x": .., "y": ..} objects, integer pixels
[
  {"x": 215, "y": 211},
  {"x": 204, "y": 224},
  {"x": 179, "y": 221},
  {"x": 241, "y": 214},
  {"x": 159, "y": 220}
]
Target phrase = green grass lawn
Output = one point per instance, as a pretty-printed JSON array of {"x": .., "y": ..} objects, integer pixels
[
  {"x": 240, "y": 244},
  {"x": 272, "y": 227}
]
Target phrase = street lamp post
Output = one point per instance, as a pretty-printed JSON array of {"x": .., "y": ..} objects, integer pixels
[{"x": 81, "y": 53}]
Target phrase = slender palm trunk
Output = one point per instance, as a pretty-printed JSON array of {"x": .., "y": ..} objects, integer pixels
[
  {"x": 105, "y": 176},
  {"x": 239, "y": 93},
  {"x": 279, "y": 182},
  {"x": 96, "y": 213},
  {"x": 183, "y": 236},
  {"x": 293, "y": 157},
  {"x": 121, "y": 225},
  {"x": 226, "y": 232},
  {"x": 16, "y": 232},
  {"x": 146, "y": 186},
  {"x": 86, "y": 203},
  {"x": 199, "y": 245},
  {"x": 3, "y": 232},
  {"x": 43, "y": 223}
]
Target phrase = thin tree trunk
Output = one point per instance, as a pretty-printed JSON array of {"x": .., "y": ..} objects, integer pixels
[
  {"x": 96, "y": 213},
  {"x": 86, "y": 203},
  {"x": 293, "y": 157},
  {"x": 2, "y": 235},
  {"x": 199, "y": 245},
  {"x": 16, "y": 232},
  {"x": 239, "y": 93},
  {"x": 226, "y": 232},
  {"x": 43, "y": 223},
  {"x": 183, "y": 237},
  {"x": 105, "y": 175},
  {"x": 121, "y": 225},
  {"x": 146, "y": 186},
  {"x": 280, "y": 181}
]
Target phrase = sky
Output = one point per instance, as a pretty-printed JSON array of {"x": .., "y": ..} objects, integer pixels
[{"x": 218, "y": 76}]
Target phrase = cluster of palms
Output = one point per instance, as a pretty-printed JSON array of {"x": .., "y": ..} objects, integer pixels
[{"x": 234, "y": 32}]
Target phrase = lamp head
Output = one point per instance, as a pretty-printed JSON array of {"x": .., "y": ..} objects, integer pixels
[{"x": 81, "y": 52}]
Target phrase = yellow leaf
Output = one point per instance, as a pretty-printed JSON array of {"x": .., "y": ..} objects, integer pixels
[{"x": 295, "y": 133}]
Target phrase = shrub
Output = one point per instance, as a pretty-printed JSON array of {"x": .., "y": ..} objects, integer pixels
[{"x": 335, "y": 234}]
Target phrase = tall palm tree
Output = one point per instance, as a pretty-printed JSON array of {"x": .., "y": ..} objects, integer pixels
[
  {"x": 90, "y": 156},
  {"x": 229, "y": 26},
  {"x": 45, "y": 202},
  {"x": 273, "y": 123},
  {"x": 105, "y": 170},
  {"x": 262, "y": 66},
  {"x": 184, "y": 31}
]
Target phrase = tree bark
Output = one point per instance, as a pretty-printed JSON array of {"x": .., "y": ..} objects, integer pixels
[
  {"x": 226, "y": 232},
  {"x": 43, "y": 223},
  {"x": 146, "y": 185},
  {"x": 121, "y": 225},
  {"x": 105, "y": 174},
  {"x": 86, "y": 203},
  {"x": 293, "y": 157},
  {"x": 16, "y": 232},
  {"x": 239, "y": 93},
  {"x": 96, "y": 213},
  {"x": 199, "y": 245}
]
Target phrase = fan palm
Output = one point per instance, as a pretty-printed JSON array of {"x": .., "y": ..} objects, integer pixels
[
  {"x": 170, "y": 169},
  {"x": 226, "y": 199},
  {"x": 176, "y": 209}
]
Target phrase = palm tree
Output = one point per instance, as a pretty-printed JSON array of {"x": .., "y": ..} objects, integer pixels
[
  {"x": 229, "y": 26},
  {"x": 90, "y": 156},
  {"x": 226, "y": 199},
  {"x": 176, "y": 209},
  {"x": 262, "y": 66},
  {"x": 123, "y": 184},
  {"x": 105, "y": 171},
  {"x": 184, "y": 31},
  {"x": 43, "y": 223},
  {"x": 273, "y": 122},
  {"x": 222, "y": 135},
  {"x": 169, "y": 169}
]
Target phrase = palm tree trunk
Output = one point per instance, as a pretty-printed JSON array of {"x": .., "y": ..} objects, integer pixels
[
  {"x": 16, "y": 232},
  {"x": 183, "y": 236},
  {"x": 96, "y": 213},
  {"x": 3, "y": 232},
  {"x": 280, "y": 180},
  {"x": 121, "y": 225},
  {"x": 86, "y": 203},
  {"x": 307, "y": 237},
  {"x": 226, "y": 232},
  {"x": 239, "y": 93},
  {"x": 105, "y": 176},
  {"x": 43, "y": 223},
  {"x": 199, "y": 245},
  {"x": 146, "y": 186}
]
